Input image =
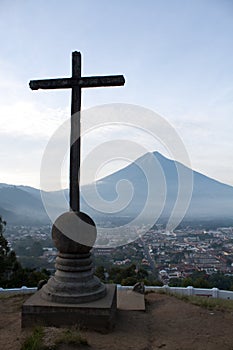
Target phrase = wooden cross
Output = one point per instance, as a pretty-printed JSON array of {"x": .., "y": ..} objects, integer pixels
[{"x": 76, "y": 83}]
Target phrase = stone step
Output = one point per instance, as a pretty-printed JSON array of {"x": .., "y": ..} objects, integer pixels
[{"x": 127, "y": 299}]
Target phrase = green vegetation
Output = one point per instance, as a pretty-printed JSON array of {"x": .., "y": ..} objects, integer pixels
[
  {"x": 12, "y": 274},
  {"x": 200, "y": 279},
  {"x": 28, "y": 247},
  {"x": 35, "y": 340},
  {"x": 71, "y": 337},
  {"x": 209, "y": 303},
  {"x": 126, "y": 276},
  {"x": 212, "y": 303}
]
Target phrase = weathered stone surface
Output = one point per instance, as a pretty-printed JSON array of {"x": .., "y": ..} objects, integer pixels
[
  {"x": 127, "y": 299},
  {"x": 139, "y": 288},
  {"x": 74, "y": 233},
  {"x": 74, "y": 280},
  {"x": 96, "y": 315}
]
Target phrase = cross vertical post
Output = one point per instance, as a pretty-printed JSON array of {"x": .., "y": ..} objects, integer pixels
[{"x": 75, "y": 135}]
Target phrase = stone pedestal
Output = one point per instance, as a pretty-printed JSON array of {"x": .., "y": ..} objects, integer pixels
[
  {"x": 73, "y": 296},
  {"x": 96, "y": 315}
]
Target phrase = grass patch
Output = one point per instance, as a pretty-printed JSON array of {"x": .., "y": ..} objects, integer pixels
[
  {"x": 210, "y": 303},
  {"x": 34, "y": 341},
  {"x": 14, "y": 295},
  {"x": 49, "y": 338},
  {"x": 71, "y": 337},
  {"x": 205, "y": 302}
]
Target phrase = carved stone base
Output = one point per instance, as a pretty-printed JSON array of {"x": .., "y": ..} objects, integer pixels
[
  {"x": 74, "y": 281},
  {"x": 96, "y": 315}
]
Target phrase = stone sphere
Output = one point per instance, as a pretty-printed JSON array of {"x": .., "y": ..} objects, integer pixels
[{"x": 74, "y": 233}]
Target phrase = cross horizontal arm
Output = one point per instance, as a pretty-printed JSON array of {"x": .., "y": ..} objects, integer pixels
[
  {"x": 64, "y": 83},
  {"x": 61, "y": 83},
  {"x": 110, "y": 80}
]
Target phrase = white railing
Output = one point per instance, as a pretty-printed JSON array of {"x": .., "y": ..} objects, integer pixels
[
  {"x": 211, "y": 293},
  {"x": 22, "y": 290}
]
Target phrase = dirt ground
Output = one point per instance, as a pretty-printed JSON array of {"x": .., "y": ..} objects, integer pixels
[{"x": 168, "y": 323}]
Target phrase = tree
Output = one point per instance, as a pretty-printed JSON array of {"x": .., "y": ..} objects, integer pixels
[
  {"x": 12, "y": 274},
  {"x": 4, "y": 249},
  {"x": 8, "y": 260},
  {"x": 129, "y": 281},
  {"x": 201, "y": 282},
  {"x": 188, "y": 281},
  {"x": 99, "y": 272},
  {"x": 219, "y": 280},
  {"x": 36, "y": 249},
  {"x": 142, "y": 274}
]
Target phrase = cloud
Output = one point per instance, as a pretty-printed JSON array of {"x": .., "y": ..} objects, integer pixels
[
  {"x": 24, "y": 118},
  {"x": 25, "y": 128},
  {"x": 28, "y": 125}
]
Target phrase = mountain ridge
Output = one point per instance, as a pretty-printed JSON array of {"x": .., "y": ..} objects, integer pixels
[{"x": 210, "y": 198}]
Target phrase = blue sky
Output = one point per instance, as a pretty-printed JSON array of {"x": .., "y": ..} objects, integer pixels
[{"x": 176, "y": 57}]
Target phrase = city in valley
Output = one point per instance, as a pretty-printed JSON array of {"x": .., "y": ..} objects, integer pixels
[{"x": 166, "y": 256}]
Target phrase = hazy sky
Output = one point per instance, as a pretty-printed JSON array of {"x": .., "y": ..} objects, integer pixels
[{"x": 176, "y": 57}]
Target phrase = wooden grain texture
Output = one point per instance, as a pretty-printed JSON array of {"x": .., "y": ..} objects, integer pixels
[{"x": 85, "y": 82}]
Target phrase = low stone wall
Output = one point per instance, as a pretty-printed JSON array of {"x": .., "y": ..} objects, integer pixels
[
  {"x": 211, "y": 293},
  {"x": 22, "y": 290}
]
